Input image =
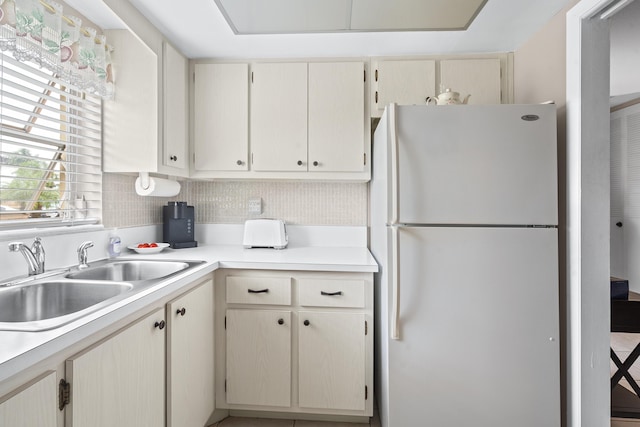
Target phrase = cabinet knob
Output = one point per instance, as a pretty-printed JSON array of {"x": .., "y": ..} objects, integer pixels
[
  {"x": 315, "y": 163},
  {"x": 619, "y": 224},
  {"x": 280, "y": 321},
  {"x": 160, "y": 324},
  {"x": 306, "y": 323},
  {"x": 173, "y": 158},
  {"x": 299, "y": 162},
  {"x": 181, "y": 311},
  {"x": 239, "y": 163}
]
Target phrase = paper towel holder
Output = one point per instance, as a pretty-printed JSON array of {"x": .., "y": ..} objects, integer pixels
[{"x": 147, "y": 186}]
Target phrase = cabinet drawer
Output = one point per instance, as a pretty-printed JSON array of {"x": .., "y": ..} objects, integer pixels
[
  {"x": 258, "y": 290},
  {"x": 331, "y": 292}
]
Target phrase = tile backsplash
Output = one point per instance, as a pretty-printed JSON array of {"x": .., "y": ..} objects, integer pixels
[{"x": 226, "y": 202}]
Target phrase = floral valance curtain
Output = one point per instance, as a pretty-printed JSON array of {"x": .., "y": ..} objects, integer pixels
[{"x": 39, "y": 31}]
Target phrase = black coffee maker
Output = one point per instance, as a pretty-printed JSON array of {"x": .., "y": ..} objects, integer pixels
[{"x": 179, "y": 225}]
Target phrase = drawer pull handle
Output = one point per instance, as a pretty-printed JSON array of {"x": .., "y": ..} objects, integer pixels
[
  {"x": 280, "y": 321},
  {"x": 306, "y": 323},
  {"x": 261, "y": 291},
  {"x": 331, "y": 294},
  {"x": 181, "y": 311},
  {"x": 160, "y": 324}
]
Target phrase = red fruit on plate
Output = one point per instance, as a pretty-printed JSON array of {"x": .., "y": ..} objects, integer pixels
[{"x": 153, "y": 245}]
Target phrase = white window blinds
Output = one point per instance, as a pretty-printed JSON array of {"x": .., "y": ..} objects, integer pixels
[{"x": 50, "y": 149}]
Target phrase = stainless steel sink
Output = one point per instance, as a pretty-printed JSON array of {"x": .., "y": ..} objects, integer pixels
[
  {"x": 48, "y": 301},
  {"x": 130, "y": 270}
]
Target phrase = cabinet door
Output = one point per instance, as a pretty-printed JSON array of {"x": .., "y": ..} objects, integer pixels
[
  {"x": 404, "y": 82},
  {"x": 221, "y": 117},
  {"x": 331, "y": 360},
  {"x": 336, "y": 117},
  {"x": 279, "y": 117},
  {"x": 121, "y": 381},
  {"x": 174, "y": 149},
  {"x": 130, "y": 119},
  {"x": 190, "y": 364},
  {"x": 35, "y": 405},
  {"x": 259, "y": 357},
  {"x": 479, "y": 78}
]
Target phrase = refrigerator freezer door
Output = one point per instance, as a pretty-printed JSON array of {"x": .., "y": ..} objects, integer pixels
[
  {"x": 478, "y": 329},
  {"x": 465, "y": 164}
]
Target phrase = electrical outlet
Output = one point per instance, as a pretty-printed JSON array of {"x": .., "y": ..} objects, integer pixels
[{"x": 255, "y": 206}]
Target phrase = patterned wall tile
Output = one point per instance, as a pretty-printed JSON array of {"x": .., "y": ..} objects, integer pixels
[{"x": 226, "y": 202}]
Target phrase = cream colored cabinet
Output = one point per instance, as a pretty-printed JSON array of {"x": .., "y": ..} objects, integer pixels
[
  {"x": 480, "y": 78},
  {"x": 404, "y": 82},
  {"x": 331, "y": 360},
  {"x": 259, "y": 357},
  {"x": 336, "y": 117},
  {"x": 145, "y": 125},
  {"x": 174, "y": 154},
  {"x": 279, "y": 117},
  {"x": 310, "y": 117},
  {"x": 221, "y": 118},
  {"x": 121, "y": 380},
  {"x": 33, "y": 405},
  {"x": 130, "y": 119},
  {"x": 409, "y": 81},
  {"x": 190, "y": 358},
  {"x": 295, "y": 342}
]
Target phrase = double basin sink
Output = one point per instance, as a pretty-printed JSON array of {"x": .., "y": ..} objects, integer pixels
[{"x": 54, "y": 299}]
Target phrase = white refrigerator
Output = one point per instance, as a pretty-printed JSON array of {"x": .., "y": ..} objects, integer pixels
[{"x": 464, "y": 218}]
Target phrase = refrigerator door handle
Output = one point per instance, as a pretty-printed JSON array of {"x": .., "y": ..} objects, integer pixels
[
  {"x": 393, "y": 170},
  {"x": 395, "y": 283}
]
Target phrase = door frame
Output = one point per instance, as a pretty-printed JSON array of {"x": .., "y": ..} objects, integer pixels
[{"x": 588, "y": 246}]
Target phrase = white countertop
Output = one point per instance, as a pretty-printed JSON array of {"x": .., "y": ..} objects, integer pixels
[{"x": 21, "y": 350}]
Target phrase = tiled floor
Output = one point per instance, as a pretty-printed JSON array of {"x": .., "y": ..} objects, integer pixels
[
  {"x": 623, "y": 344},
  {"x": 264, "y": 422}
]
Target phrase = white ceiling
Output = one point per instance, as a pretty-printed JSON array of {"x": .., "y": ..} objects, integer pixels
[{"x": 199, "y": 30}]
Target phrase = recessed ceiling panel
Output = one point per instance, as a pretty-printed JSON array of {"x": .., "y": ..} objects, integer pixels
[
  {"x": 318, "y": 16},
  {"x": 419, "y": 15},
  {"x": 286, "y": 16}
]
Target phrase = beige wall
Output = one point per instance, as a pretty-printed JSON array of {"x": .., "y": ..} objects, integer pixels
[{"x": 539, "y": 76}]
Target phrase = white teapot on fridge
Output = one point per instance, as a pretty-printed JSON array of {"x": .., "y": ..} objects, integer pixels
[{"x": 448, "y": 97}]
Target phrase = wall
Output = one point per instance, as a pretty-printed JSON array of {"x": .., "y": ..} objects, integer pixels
[
  {"x": 625, "y": 50},
  {"x": 299, "y": 203},
  {"x": 539, "y": 76}
]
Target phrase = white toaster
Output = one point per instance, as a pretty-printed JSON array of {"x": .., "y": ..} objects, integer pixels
[{"x": 265, "y": 233}]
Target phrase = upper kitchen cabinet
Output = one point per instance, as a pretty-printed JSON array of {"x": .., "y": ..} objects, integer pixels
[
  {"x": 480, "y": 78},
  {"x": 405, "y": 82},
  {"x": 336, "y": 117},
  {"x": 488, "y": 79},
  {"x": 145, "y": 125},
  {"x": 281, "y": 120},
  {"x": 174, "y": 156},
  {"x": 279, "y": 117},
  {"x": 130, "y": 133},
  {"x": 310, "y": 118},
  {"x": 221, "y": 118}
]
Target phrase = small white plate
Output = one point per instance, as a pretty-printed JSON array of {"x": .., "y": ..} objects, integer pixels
[{"x": 160, "y": 248}]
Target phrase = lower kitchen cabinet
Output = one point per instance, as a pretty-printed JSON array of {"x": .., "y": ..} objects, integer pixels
[
  {"x": 33, "y": 405},
  {"x": 331, "y": 360},
  {"x": 295, "y": 342},
  {"x": 190, "y": 367},
  {"x": 259, "y": 357},
  {"x": 120, "y": 381}
]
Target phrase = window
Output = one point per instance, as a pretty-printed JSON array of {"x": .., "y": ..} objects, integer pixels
[{"x": 50, "y": 153}]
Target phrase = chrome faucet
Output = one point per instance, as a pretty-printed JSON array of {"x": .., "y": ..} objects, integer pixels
[
  {"x": 35, "y": 256},
  {"x": 82, "y": 254}
]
